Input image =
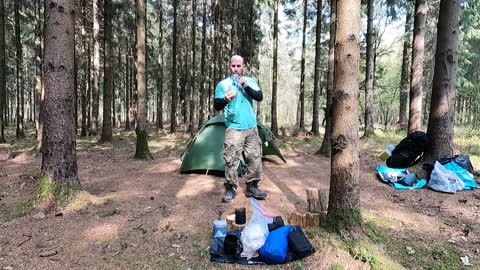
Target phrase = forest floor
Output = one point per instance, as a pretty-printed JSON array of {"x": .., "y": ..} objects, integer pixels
[{"x": 144, "y": 215}]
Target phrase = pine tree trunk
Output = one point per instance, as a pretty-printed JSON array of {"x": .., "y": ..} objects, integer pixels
[
  {"x": 274, "y": 125},
  {"x": 404, "y": 82},
  {"x": 59, "y": 159},
  {"x": 127, "y": 88},
  {"x": 301, "y": 120},
  {"x": 369, "y": 129},
  {"x": 160, "y": 70},
  {"x": 325, "y": 148},
  {"x": 107, "y": 74},
  {"x": 442, "y": 108},
  {"x": 193, "y": 69},
  {"x": 201, "y": 104},
  {"x": 344, "y": 199},
  {"x": 95, "y": 68},
  {"x": 415, "y": 111},
  {"x": 174, "y": 90},
  {"x": 19, "y": 134},
  {"x": 3, "y": 68},
  {"x": 142, "y": 151},
  {"x": 316, "y": 76}
]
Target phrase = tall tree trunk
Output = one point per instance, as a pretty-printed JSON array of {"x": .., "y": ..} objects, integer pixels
[
  {"x": 95, "y": 68},
  {"x": 418, "y": 46},
  {"x": 127, "y": 88},
  {"x": 19, "y": 134},
  {"x": 107, "y": 73},
  {"x": 325, "y": 148},
  {"x": 89, "y": 88},
  {"x": 174, "y": 90},
  {"x": 442, "y": 108},
  {"x": 402, "y": 118},
  {"x": 142, "y": 151},
  {"x": 83, "y": 90},
  {"x": 160, "y": 70},
  {"x": 194, "y": 68},
  {"x": 316, "y": 76},
  {"x": 234, "y": 39},
  {"x": 301, "y": 120},
  {"x": 274, "y": 120},
  {"x": 3, "y": 71},
  {"x": 201, "y": 104},
  {"x": 344, "y": 200},
  {"x": 369, "y": 129},
  {"x": 59, "y": 159}
]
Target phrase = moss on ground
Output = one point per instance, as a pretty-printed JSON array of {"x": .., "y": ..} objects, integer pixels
[
  {"x": 18, "y": 210},
  {"x": 62, "y": 194}
]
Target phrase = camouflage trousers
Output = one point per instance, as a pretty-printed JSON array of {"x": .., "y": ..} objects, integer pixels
[{"x": 248, "y": 142}]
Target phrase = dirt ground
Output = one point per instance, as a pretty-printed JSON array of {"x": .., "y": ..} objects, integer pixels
[{"x": 144, "y": 215}]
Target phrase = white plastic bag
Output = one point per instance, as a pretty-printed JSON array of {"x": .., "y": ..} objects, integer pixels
[
  {"x": 255, "y": 232},
  {"x": 444, "y": 180}
]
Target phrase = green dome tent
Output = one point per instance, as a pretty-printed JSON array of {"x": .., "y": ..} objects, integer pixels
[{"x": 204, "y": 153}]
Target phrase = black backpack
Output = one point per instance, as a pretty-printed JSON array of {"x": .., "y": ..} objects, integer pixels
[{"x": 409, "y": 151}]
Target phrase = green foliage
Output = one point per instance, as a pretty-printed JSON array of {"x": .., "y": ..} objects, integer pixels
[
  {"x": 62, "y": 194},
  {"x": 341, "y": 219},
  {"x": 18, "y": 210}
]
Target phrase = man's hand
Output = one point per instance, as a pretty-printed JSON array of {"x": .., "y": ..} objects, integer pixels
[
  {"x": 230, "y": 95},
  {"x": 242, "y": 81}
]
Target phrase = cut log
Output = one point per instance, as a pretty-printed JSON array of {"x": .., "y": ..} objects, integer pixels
[
  {"x": 312, "y": 220},
  {"x": 296, "y": 218},
  {"x": 317, "y": 200},
  {"x": 313, "y": 200}
]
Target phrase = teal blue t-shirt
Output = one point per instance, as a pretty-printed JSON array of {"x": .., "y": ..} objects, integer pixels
[{"x": 239, "y": 113}]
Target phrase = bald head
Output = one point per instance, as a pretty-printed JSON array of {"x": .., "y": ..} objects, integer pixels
[
  {"x": 236, "y": 64},
  {"x": 236, "y": 59}
]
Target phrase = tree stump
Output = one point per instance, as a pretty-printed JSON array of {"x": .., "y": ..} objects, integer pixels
[{"x": 317, "y": 200}]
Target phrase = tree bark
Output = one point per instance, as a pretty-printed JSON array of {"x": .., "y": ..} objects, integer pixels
[
  {"x": 142, "y": 151},
  {"x": 325, "y": 148},
  {"x": 160, "y": 70},
  {"x": 274, "y": 125},
  {"x": 127, "y": 87},
  {"x": 19, "y": 133},
  {"x": 193, "y": 69},
  {"x": 344, "y": 200},
  {"x": 59, "y": 159},
  {"x": 174, "y": 90},
  {"x": 418, "y": 46},
  {"x": 107, "y": 73},
  {"x": 95, "y": 68},
  {"x": 202, "y": 112},
  {"x": 369, "y": 74},
  {"x": 316, "y": 76},
  {"x": 301, "y": 120},
  {"x": 404, "y": 82},
  {"x": 3, "y": 68},
  {"x": 442, "y": 108}
]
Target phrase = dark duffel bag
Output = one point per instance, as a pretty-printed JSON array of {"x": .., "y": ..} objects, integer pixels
[{"x": 299, "y": 244}]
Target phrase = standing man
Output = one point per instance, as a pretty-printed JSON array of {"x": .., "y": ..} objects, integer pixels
[{"x": 234, "y": 94}]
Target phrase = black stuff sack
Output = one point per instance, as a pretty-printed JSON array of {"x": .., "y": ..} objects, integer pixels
[
  {"x": 299, "y": 244},
  {"x": 277, "y": 223},
  {"x": 232, "y": 245},
  {"x": 409, "y": 151}
]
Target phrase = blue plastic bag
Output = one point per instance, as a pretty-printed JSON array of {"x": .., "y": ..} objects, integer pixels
[
  {"x": 463, "y": 174},
  {"x": 275, "y": 248}
]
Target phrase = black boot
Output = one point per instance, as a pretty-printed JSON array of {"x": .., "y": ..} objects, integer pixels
[
  {"x": 229, "y": 194},
  {"x": 253, "y": 191}
]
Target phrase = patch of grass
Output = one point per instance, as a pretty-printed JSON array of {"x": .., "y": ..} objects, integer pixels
[
  {"x": 40, "y": 244},
  {"x": 62, "y": 194},
  {"x": 18, "y": 210},
  {"x": 336, "y": 266},
  {"x": 428, "y": 254},
  {"x": 109, "y": 208}
]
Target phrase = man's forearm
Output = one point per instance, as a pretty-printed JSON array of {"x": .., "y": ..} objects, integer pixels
[
  {"x": 256, "y": 95},
  {"x": 219, "y": 104}
]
